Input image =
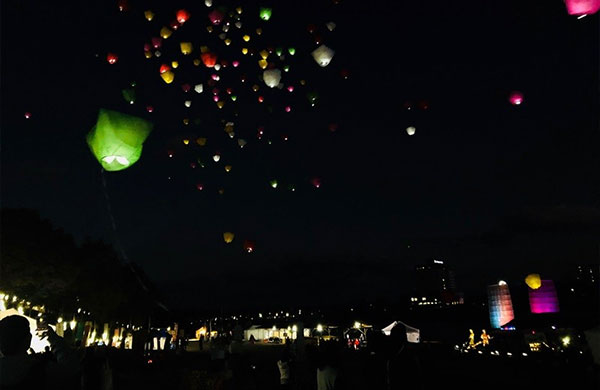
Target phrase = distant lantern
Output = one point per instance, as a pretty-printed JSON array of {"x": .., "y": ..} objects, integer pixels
[
  {"x": 149, "y": 108},
  {"x": 258, "y": 31},
  {"x": 288, "y": 108},
  {"x": 292, "y": 51},
  {"x": 515, "y": 98},
  {"x": 235, "y": 64},
  {"x": 149, "y": 15},
  {"x": 215, "y": 17},
  {"x": 168, "y": 76},
  {"x": 199, "y": 186},
  {"x": 175, "y": 64},
  {"x": 533, "y": 281},
  {"x": 186, "y": 141},
  {"x": 345, "y": 73},
  {"x": 582, "y": 7},
  {"x": 500, "y": 304},
  {"x": 186, "y": 47},
  {"x": 156, "y": 42},
  {"x": 209, "y": 59},
  {"x": 544, "y": 299},
  {"x": 316, "y": 182},
  {"x": 198, "y": 88},
  {"x": 27, "y": 115},
  {"x": 290, "y": 88},
  {"x": 263, "y": 64},
  {"x": 241, "y": 142},
  {"x": 182, "y": 16},
  {"x": 111, "y": 58},
  {"x": 323, "y": 55},
  {"x": 129, "y": 95},
  {"x": 330, "y": 26},
  {"x": 249, "y": 246},
  {"x": 410, "y": 130},
  {"x": 221, "y": 104},
  {"x": 117, "y": 139},
  {"x": 164, "y": 68},
  {"x": 228, "y": 237},
  {"x": 272, "y": 77},
  {"x": 201, "y": 141},
  {"x": 165, "y": 32},
  {"x": 228, "y": 168},
  {"x": 186, "y": 87},
  {"x": 246, "y": 38},
  {"x": 216, "y": 157},
  {"x": 208, "y": 3},
  {"x": 265, "y": 13},
  {"x": 273, "y": 183},
  {"x": 188, "y": 103}
]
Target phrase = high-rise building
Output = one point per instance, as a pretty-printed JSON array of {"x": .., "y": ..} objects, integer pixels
[{"x": 435, "y": 285}]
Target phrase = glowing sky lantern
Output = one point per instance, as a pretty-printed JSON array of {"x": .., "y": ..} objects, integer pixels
[
  {"x": 272, "y": 77},
  {"x": 228, "y": 237},
  {"x": 273, "y": 183},
  {"x": 515, "y": 98},
  {"x": 209, "y": 59},
  {"x": 199, "y": 186},
  {"x": 165, "y": 32},
  {"x": 323, "y": 55},
  {"x": 410, "y": 130},
  {"x": 246, "y": 38},
  {"x": 164, "y": 68},
  {"x": 111, "y": 58},
  {"x": 582, "y": 7},
  {"x": 168, "y": 76},
  {"x": 201, "y": 141},
  {"x": 533, "y": 281},
  {"x": 188, "y": 103},
  {"x": 316, "y": 182},
  {"x": 313, "y": 97},
  {"x": 175, "y": 64},
  {"x": 292, "y": 51},
  {"x": 208, "y": 3},
  {"x": 156, "y": 42},
  {"x": 215, "y": 17},
  {"x": 182, "y": 16},
  {"x": 228, "y": 168},
  {"x": 544, "y": 299},
  {"x": 263, "y": 64},
  {"x": 265, "y": 13},
  {"x": 241, "y": 142},
  {"x": 27, "y": 115},
  {"x": 216, "y": 157},
  {"x": 198, "y": 88},
  {"x": 186, "y": 47},
  {"x": 330, "y": 26},
  {"x": 149, "y": 15},
  {"x": 500, "y": 304},
  {"x": 116, "y": 140},
  {"x": 248, "y": 246},
  {"x": 186, "y": 87},
  {"x": 129, "y": 95}
]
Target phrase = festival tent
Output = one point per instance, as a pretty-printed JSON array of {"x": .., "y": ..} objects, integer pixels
[
  {"x": 412, "y": 334},
  {"x": 37, "y": 344}
]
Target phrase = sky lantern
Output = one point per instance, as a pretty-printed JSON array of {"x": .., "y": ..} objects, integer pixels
[
  {"x": 156, "y": 42},
  {"x": 149, "y": 108},
  {"x": 582, "y": 7},
  {"x": 246, "y": 38},
  {"x": 220, "y": 104},
  {"x": 215, "y": 17},
  {"x": 273, "y": 183},
  {"x": 316, "y": 182},
  {"x": 27, "y": 115},
  {"x": 199, "y": 186},
  {"x": 410, "y": 130},
  {"x": 149, "y": 15},
  {"x": 292, "y": 51},
  {"x": 165, "y": 32},
  {"x": 129, "y": 95},
  {"x": 186, "y": 47},
  {"x": 265, "y": 13},
  {"x": 209, "y": 59},
  {"x": 186, "y": 141},
  {"x": 216, "y": 157},
  {"x": 330, "y": 26},
  {"x": 164, "y": 68},
  {"x": 263, "y": 64},
  {"x": 208, "y": 3},
  {"x": 148, "y": 54},
  {"x": 515, "y": 98},
  {"x": 186, "y": 87},
  {"x": 345, "y": 73},
  {"x": 174, "y": 24},
  {"x": 112, "y": 58},
  {"x": 313, "y": 97},
  {"x": 272, "y": 77},
  {"x": 311, "y": 28},
  {"x": 288, "y": 108},
  {"x": 248, "y": 246},
  {"x": 241, "y": 142},
  {"x": 323, "y": 55},
  {"x": 188, "y": 103},
  {"x": 228, "y": 237},
  {"x": 123, "y": 5},
  {"x": 116, "y": 140},
  {"x": 235, "y": 64},
  {"x": 198, "y": 88},
  {"x": 533, "y": 281},
  {"x": 228, "y": 168},
  {"x": 182, "y": 16},
  {"x": 168, "y": 76},
  {"x": 175, "y": 64},
  {"x": 201, "y": 141}
]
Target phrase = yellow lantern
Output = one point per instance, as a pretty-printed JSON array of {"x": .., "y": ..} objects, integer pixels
[
  {"x": 149, "y": 15},
  {"x": 227, "y": 168},
  {"x": 244, "y": 50},
  {"x": 263, "y": 64},
  {"x": 168, "y": 76},
  {"x": 197, "y": 62},
  {"x": 220, "y": 104},
  {"x": 246, "y": 37},
  {"x": 174, "y": 64},
  {"x": 209, "y": 29},
  {"x": 302, "y": 82},
  {"x": 201, "y": 141},
  {"x": 264, "y": 54},
  {"x": 259, "y": 31},
  {"x": 186, "y": 141},
  {"x": 239, "y": 10},
  {"x": 186, "y": 121},
  {"x": 255, "y": 88},
  {"x": 186, "y": 47},
  {"x": 148, "y": 54},
  {"x": 227, "y": 42},
  {"x": 533, "y": 281},
  {"x": 227, "y": 236},
  {"x": 165, "y": 32}
]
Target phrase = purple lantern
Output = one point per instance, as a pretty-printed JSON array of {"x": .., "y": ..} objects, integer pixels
[
  {"x": 544, "y": 299},
  {"x": 582, "y": 7}
]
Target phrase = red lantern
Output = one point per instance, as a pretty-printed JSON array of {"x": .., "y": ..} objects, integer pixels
[
  {"x": 164, "y": 68},
  {"x": 311, "y": 28},
  {"x": 261, "y": 99},
  {"x": 186, "y": 87},
  {"x": 199, "y": 186},
  {"x": 123, "y": 5},
  {"x": 582, "y": 7},
  {"x": 156, "y": 43},
  {"x": 209, "y": 59},
  {"x": 345, "y": 73},
  {"x": 423, "y": 104},
  {"x": 111, "y": 58},
  {"x": 249, "y": 246},
  {"x": 150, "y": 108},
  {"x": 316, "y": 182},
  {"x": 182, "y": 16},
  {"x": 215, "y": 17}
]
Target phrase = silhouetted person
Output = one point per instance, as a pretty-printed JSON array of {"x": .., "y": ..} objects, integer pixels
[
  {"x": 403, "y": 365},
  {"x": 284, "y": 369},
  {"x": 18, "y": 370}
]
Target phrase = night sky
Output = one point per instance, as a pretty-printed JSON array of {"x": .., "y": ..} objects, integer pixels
[{"x": 497, "y": 190}]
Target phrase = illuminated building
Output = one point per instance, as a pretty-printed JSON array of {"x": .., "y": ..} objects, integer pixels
[
  {"x": 544, "y": 299},
  {"x": 435, "y": 285},
  {"x": 500, "y": 304}
]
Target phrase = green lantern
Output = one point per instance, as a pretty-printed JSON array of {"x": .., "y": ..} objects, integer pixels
[
  {"x": 273, "y": 183},
  {"x": 265, "y": 13},
  {"x": 129, "y": 95},
  {"x": 292, "y": 51},
  {"x": 117, "y": 139},
  {"x": 286, "y": 68},
  {"x": 279, "y": 51}
]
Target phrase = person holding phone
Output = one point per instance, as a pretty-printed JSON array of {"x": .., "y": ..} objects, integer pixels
[{"x": 18, "y": 369}]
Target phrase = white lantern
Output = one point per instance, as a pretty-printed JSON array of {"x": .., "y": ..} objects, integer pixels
[
  {"x": 238, "y": 24},
  {"x": 330, "y": 26},
  {"x": 188, "y": 103},
  {"x": 241, "y": 142},
  {"x": 323, "y": 55},
  {"x": 198, "y": 88},
  {"x": 208, "y": 3},
  {"x": 216, "y": 158},
  {"x": 272, "y": 77},
  {"x": 410, "y": 130},
  {"x": 217, "y": 67}
]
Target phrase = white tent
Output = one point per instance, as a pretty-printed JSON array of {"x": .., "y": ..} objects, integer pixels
[
  {"x": 37, "y": 344},
  {"x": 412, "y": 334}
]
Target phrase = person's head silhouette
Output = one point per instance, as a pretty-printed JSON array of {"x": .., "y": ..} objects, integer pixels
[{"x": 15, "y": 336}]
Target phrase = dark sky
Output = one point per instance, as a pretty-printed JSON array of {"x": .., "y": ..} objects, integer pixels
[{"x": 494, "y": 189}]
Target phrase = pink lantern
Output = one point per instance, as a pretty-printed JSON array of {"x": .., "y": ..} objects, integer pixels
[
  {"x": 199, "y": 186},
  {"x": 288, "y": 109},
  {"x": 582, "y": 7},
  {"x": 215, "y": 17},
  {"x": 156, "y": 43},
  {"x": 147, "y": 47},
  {"x": 235, "y": 64},
  {"x": 515, "y": 98},
  {"x": 216, "y": 98},
  {"x": 290, "y": 88},
  {"x": 27, "y": 115}
]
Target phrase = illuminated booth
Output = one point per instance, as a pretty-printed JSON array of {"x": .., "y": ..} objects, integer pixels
[
  {"x": 413, "y": 335},
  {"x": 500, "y": 304},
  {"x": 544, "y": 299}
]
